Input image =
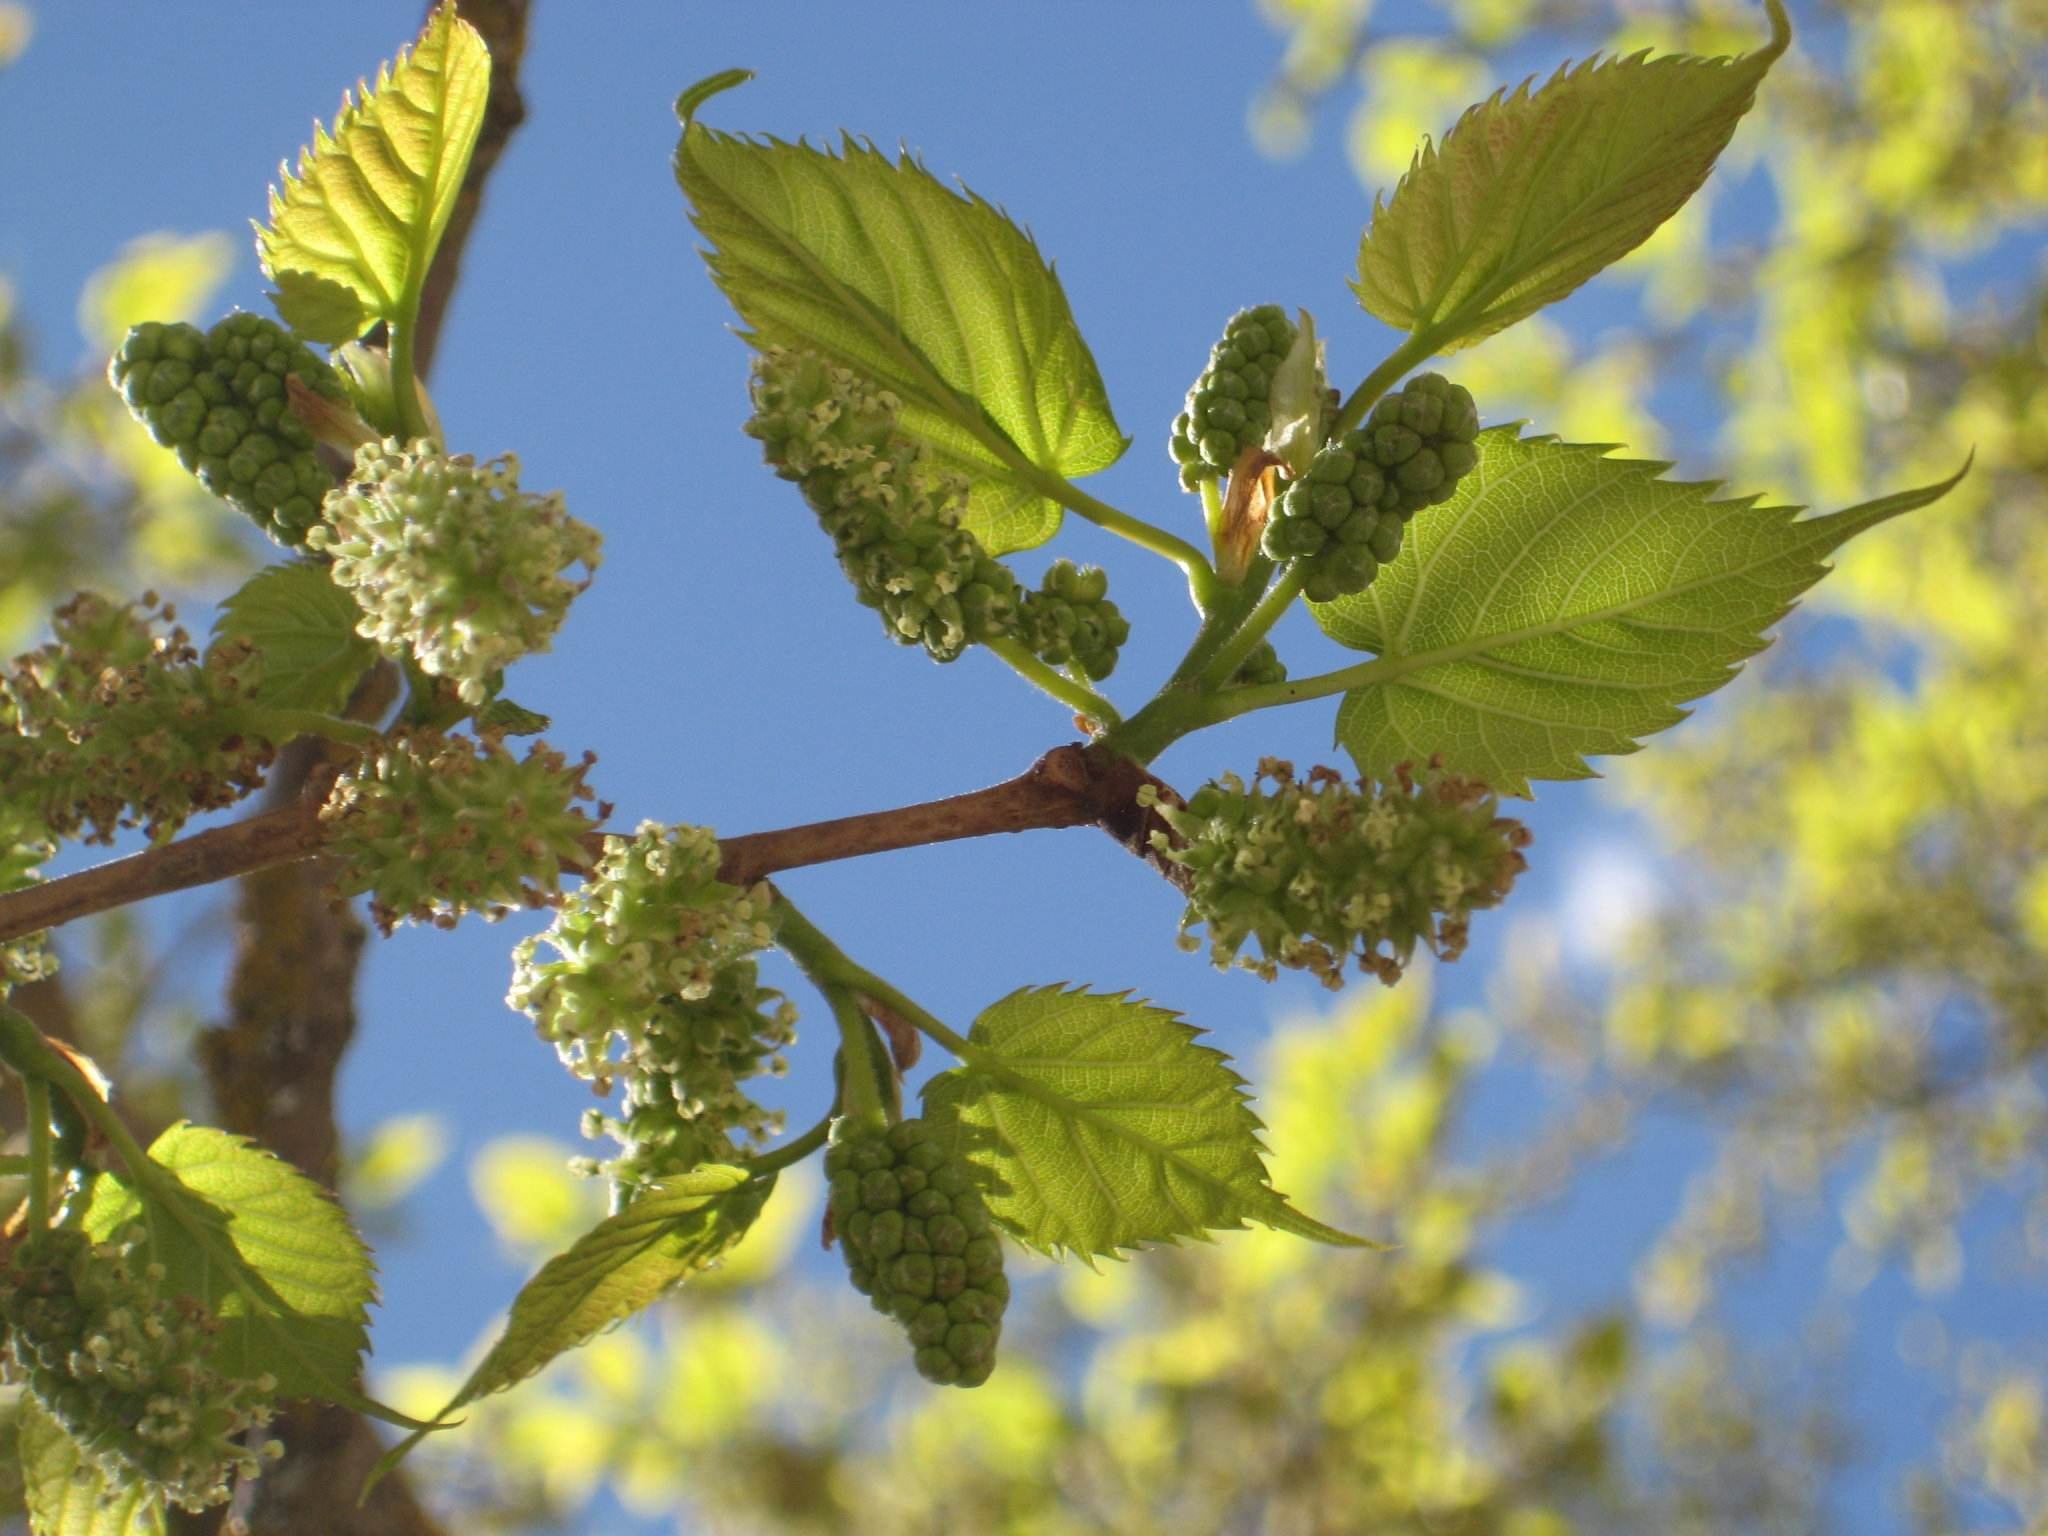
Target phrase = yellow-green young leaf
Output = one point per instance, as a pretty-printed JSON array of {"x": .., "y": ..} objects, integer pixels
[
  {"x": 263, "y": 1246},
  {"x": 624, "y": 1263},
  {"x": 67, "y": 1496},
  {"x": 352, "y": 234},
  {"x": 305, "y": 627},
  {"x": 1564, "y": 603},
  {"x": 933, "y": 294},
  {"x": 1533, "y": 192},
  {"x": 1099, "y": 1125}
]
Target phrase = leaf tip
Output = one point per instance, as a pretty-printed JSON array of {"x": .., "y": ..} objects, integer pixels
[{"x": 696, "y": 95}]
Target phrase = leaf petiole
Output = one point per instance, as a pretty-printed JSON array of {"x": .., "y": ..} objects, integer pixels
[
  {"x": 790, "y": 1151},
  {"x": 1274, "y": 604},
  {"x": 1082, "y": 700},
  {"x": 1422, "y": 345}
]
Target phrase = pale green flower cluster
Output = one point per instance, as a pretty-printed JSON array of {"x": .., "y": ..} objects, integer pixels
[
  {"x": 129, "y": 1370},
  {"x": 654, "y": 987},
  {"x": 894, "y": 518},
  {"x": 1320, "y": 870},
  {"x": 450, "y": 562},
  {"x": 119, "y": 721}
]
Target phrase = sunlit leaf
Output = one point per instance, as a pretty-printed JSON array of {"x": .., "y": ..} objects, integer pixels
[
  {"x": 933, "y": 294},
  {"x": 1564, "y": 604},
  {"x": 305, "y": 626},
  {"x": 263, "y": 1246},
  {"x": 621, "y": 1265},
  {"x": 351, "y": 235},
  {"x": 67, "y": 1496},
  {"x": 1101, "y": 1125},
  {"x": 1533, "y": 192}
]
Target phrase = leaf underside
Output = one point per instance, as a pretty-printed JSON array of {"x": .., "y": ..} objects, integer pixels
[
  {"x": 307, "y": 1321},
  {"x": 1100, "y": 1124},
  {"x": 1564, "y": 604},
  {"x": 1532, "y": 193},
  {"x": 934, "y": 294},
  {"x": 623, "y": 1264},
  {"x": 352, "y": 233},
  {"x": 66, "y": 1496},
  {"x": 305, "y": 626}
]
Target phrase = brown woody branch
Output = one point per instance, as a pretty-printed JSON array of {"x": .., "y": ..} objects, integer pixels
[{"x": 1071, "y": 786}]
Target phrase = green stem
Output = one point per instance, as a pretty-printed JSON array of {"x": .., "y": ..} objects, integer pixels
[
  {"x": 792, "y": 1151},
  {"x": 1212, "y": 508},
  {"x": 1082, "y": 700},
  {"x": 862, "y": 1098},
  {"x": 1201, "y": 578},
  {"x": 14, "y": 1165},
  {"x": 1275, "y": 603},
  {"x": 1422, "y": 344},
  {"x": 38, "y": 1095},
  {"x": 834, "y": 971},
  {"x": 23, "y": 1048},
  {"x": 405, "y": 385},
  {"x": 1221, "y": 622}
]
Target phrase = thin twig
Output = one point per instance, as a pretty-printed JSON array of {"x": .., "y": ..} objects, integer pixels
[{"x": 1071, "y": 786}]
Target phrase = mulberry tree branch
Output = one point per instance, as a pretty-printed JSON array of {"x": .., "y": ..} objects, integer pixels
[{"x": 1070, "y": 786}]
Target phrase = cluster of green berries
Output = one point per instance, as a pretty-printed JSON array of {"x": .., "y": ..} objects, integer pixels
[
  {"x": 220, "y": 400},
  {"x": 893, "y": 517},
  {"x": 1344, "y": 517},
  {"x": 655, "y": 986},
  {"x": 129, "y": 1369},
  {"x": 434, "y": 826},
  {"x": 1070, "y": 621},
  {"x": 1320, "y": 870},
  {"x": 450, "y": 562},
  {"x": 118, "y": 721},
  {"x": 919, "y": 1244},
  {"x": 1230, "y": 407}
]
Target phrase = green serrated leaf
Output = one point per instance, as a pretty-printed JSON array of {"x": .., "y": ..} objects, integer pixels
[
  {"x": 1101, "y": 1125},
  {"x": 934, "y": 294},
  {"x": 305, "y": 626},
  {"x": 624, "y": 1263},
  {"x": 1564, "y": 604},
  {"x": 352, "y": 234},
  {"x": 263, "y": 1246},
  {"x": 67, "y": 1496},
  {"x": 1532, "y": 193}
]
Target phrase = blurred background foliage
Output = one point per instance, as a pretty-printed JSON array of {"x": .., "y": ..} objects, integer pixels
[{"x": 1838, "y": 983}]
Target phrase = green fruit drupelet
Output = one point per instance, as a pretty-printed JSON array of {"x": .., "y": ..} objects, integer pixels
[
  {"x": 1345, "y": 517},
  {"x": 1070, "y": 620},
  {"x": 218, "y": 399},
  {"x": 920, "y": 1245},
  {"x": 1230, "y": 407}
]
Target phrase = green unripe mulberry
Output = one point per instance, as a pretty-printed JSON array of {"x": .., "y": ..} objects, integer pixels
[
  {"x": 893, "y": 517},
  {"x": 919, "y": 1244},
  {"x": 219, "y": 400},
  {"x": 1344, "y": 517},
  {"x": 1070, "y": 621},
  {"x": 129, "y": 1370},
  {"x": 1230, "y": 407}
]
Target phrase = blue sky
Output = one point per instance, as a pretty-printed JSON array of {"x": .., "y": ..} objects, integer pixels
[{"x": 718, "y": 667}]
